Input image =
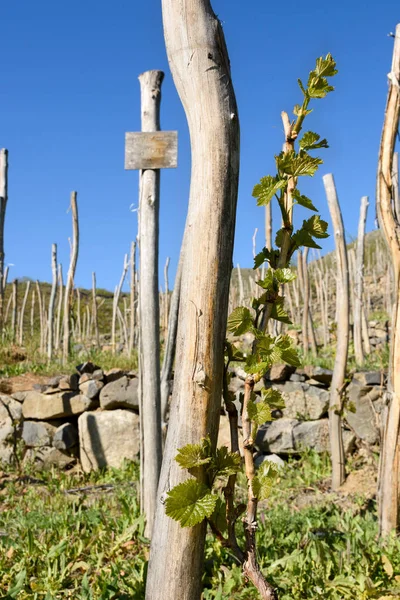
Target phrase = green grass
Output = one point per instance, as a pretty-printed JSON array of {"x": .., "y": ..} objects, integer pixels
[
  {"x": 91, "y": 545},
  {"x": 15, "y": 361}
]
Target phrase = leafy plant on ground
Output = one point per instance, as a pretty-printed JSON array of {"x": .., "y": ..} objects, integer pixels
[{"x": 203, "y": 496}]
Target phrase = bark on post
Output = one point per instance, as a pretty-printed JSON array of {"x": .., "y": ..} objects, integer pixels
[
  {"x": 150, "y": 403},
  {"x": 3, "y": 205},
  {"x": 200, "y": 67},
  {"x": 14, "y": 310},
  {"x": 50, "y": 340},
  {"x": 389, "y": 476},
  {"x": 70, "y": 277},
  {"x": 21, "y": 316},
  {"x": 342, "y": 343},
  {"x": 359, "y": 284}
]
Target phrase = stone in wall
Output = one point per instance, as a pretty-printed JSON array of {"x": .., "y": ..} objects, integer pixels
[
  {"x": 106, "y": 438},
  {"x": 10, "y": 417},
  {"x": 303, "y": 401},
  {"x": 44, "y": 407},
  {"x": 122, "y": 393}
]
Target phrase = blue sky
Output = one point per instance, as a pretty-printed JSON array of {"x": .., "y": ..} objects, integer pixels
[{"x": 69, "y": 91}]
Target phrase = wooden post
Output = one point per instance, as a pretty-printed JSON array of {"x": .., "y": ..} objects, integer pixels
[
  {"x": 70, "y": 277},
  {"x": 50, "y": 339},
  {"x": 94, "y": 312},
  {"x": 389, "y": 476},
  {"x": 78, "y": 329},
  {"x": 59, "y": 307},
  {"x": 41, "y": 316},
  {"x": 241, "y": 288},
  {"x": 33, "y": 314},
  {"x": 395, "y": 184},
  {"x": 166, "y": 298},
  {"x": 3, "y": 205},
  {"x": 149, "y": 205},
  {"x": 14, "y": 310},
  {"x": 21, "y": 316},
  {"x": 170, "y": 344},
  {"x": 199, "y": 63},
  {"x": 359, "y": 284},
  {"x": 132, "y": 319},
  {"x": 117, "y": 295},
  {"x": 342, "y": 344}
]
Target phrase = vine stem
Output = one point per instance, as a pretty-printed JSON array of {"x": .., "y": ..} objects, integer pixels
[{"x": 251, "y": 568}]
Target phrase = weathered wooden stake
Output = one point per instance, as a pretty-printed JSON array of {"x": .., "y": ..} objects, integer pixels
[
  {"x": 59, "y": 307},
  {"x": 342, "y": 344},
  {"x": 50, "y": 339},
  {"x": 14, "y": 310},
  {"x": 170, "y": 344},
  {"x": 359, "y": 284},
  {"x": 117, "y": 294},
  {"x": 21, "y": 316},
  {"x": 150, "y": 401},
  {"x": 389, "y": 475},
  {"x": 95, "y": 319},
  {"x": 3, "y": 205},
  {"x": 70, "y": 278},
  {"x": 199, "y": 63},
  {"x": 132, "y": 319}
]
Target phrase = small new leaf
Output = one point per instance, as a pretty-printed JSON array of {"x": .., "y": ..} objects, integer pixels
[
  {"x": 312, "y": 141},
  {"x": 267, "y": 188},
  {"x": 225, "y": 463},
  {"x": 194, "y": 455},
  {"x": 190, "y": 503},
  {"x": 284, "y": 275},
  {"x": 303, "y": 200},
  {"x": 278, "y": 312},
  {"x": 263, "y": 482},
  {"x": 297, "y": 165},
  {"x": 240, "y": 321},
  {"x": 316, "y": 227},
  {"x": 259, "y": 412},
  {"x": 273, "y": 398}
]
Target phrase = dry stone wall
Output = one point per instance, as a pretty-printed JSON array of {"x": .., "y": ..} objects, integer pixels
[{"x": 92, "y": 416}]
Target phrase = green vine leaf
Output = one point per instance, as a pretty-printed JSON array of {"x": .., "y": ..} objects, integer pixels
[
  {"x": 190, "y": 503},
  {"x": 284, "y": 275},
  {"x": 240, "y": 321},
  {"x": 218, "y": 517},
  {"x": 297, "y": 165},
  {"x": 303, "y": 200},
  {"x": 267, "y": 188},
  {"x": 263, "y": 482},
  {"x": 316, "y": 227},
  {"x": 225, "y": 463},
  {"x": 273, "y": 398},
  {"x": 194, "y": 455},
  {"x": 312, "y": 141},
  {"x": 278, "y": 312},
  {"x": 259, "y": 412}
]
